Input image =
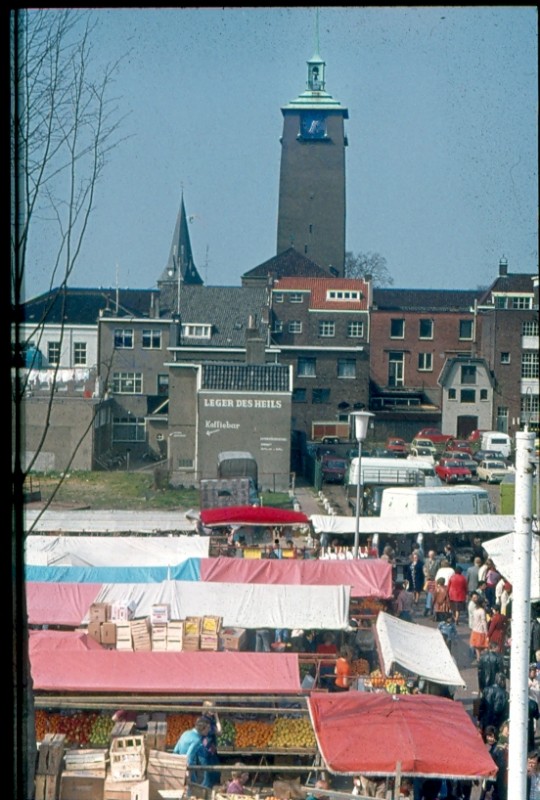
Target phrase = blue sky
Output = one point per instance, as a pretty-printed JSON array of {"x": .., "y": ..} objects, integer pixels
[{"x": 441, "y": 167}]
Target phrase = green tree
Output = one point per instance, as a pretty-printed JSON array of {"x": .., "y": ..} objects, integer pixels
[{"x": 363, "y": 264}]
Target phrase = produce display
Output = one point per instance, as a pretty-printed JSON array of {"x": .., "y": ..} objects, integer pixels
[
  {"x": 393, "y": 684},
  {"x": 93, "y": 729}
]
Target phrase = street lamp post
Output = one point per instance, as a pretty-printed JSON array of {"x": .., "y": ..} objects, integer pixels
[{"x": 361, "y": 422}]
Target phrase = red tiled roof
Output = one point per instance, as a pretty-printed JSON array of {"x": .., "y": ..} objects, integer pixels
[{"x": 318, "y": 288}]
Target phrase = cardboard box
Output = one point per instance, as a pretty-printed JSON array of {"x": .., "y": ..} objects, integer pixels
[
  {"x": 108, "y": 633},
  {"x": 234, "y": 638},
  {"x": 81, "y": 787},
  {"x": 46, "y": 787},
  {"x": 126, "y": 790},
  {"x": 211, "y": 625},
  {"x": 192, "y": 626},
  {"x": 51, "y": 753},
  {"x": 94, "y": 631},
  {"x": 209, "y": 641},
  {"x": 191, "y": 642},
  {"x": 160, "y": 612},
  {"x": 121, "y": 613},
  {"x": 99, "y": 612}
]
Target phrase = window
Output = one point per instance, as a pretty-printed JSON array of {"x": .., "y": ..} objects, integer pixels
[
  {"x": 319, "y": 396},
  {"x": 79, "y": 354},
  {"x": 500, "y": 301},
  {"x": 355, "y": 330},
  {"x": 295, "y": 326},
  {"x": 53, "y": 352},
  {"x": 151, "y": 340},
  {"x": 306, "y": 367},
  {"x": 197, "y": 331},
  {"x": 278, "y": 326},
  {"x": 397, "y": 328},
  {"x": 346, "y": 368},
  {"x": 451, "y": 394},
  {"x": 327, "y": 329},
  {"x": 502, "y": 419},
  {"x": 529, "y": 365},
  {"x": 278, "y": 297},
  {"x": 163, "y": 384},
  {"x": 425, "y": 329},
  {"x": 483, "y": 394},
  {"x": 468, "y": 374},
  {"x": 395, "y": 369},
  {"x": 129, "y": 429},
  {"x": 123, "y": 338},
  {"x": 127, "y": 382},
  {"x": 505, "y": 358},
  {"x": 529, "y": 405},
  {"x": 299, "y": 395},
  {"x": 465, "y": 328},
  {"x": 468, "y": 396},
  {"x": 425, "y": 362},
  {"x": 343, "y": 295},
  {"x": 521, "y": 302},
  {"x": 530, "y": 328},
  {"x": 296, "y": 297}
]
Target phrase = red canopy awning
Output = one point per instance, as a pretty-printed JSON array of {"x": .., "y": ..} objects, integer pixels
[
  {"x": 50, "y": 603},
  {"x": 366, "y": 577},
  {"x": 428, "y": 736},
  {"x": 47, "y": 641},
  {"x": 251, "y": 515},
  {"x": 170, "y": 673}
]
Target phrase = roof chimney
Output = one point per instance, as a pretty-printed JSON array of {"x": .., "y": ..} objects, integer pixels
[{"x": 503, "y": 267}]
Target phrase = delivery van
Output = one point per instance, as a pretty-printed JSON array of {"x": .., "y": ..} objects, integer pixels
[
  {"x": 393, "y": 472},
  {"x": 500, "y": 442},
  {"x": 401, "y": 501}
]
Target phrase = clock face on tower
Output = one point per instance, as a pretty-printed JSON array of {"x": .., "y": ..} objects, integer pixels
[{"x": 313, "y": 125}]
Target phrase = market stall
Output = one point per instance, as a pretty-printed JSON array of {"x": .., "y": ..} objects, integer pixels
[
  {"x": 414, "y": 735},
  {"x": 63, "y": 604},
  {"x": 98, "y": 521},
  {"x": 500, "y": 550}
]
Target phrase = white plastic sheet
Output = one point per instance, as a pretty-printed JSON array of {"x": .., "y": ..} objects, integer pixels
[{"x": 124, "y": 551}]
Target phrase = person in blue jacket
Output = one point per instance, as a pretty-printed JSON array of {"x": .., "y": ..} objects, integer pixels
[{"x": 191, "y": 744}]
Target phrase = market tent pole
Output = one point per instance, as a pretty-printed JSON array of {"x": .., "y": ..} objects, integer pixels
[{"x": 521, "y": 617}]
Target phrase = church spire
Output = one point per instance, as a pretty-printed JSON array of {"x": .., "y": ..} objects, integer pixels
[
  {"x": 180, "y": 265},
  {"x": 316, "y": 65}
]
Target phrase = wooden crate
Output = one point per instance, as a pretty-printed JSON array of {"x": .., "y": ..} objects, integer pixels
[
  {"x": 175, "y": 635},
  {"x": 192, "y": 626},
  {"x": 209, "y": 641},
  {"x": 126, "y": 790},
  {"x": 46, "y": 787},
  {"x": 127, "y": 758},
  {"x": 92, "y": 760},
  {"x": 156, "y": 736},
  {"x": 191, "y": 642},
  {"x": 51, "y": 753},
  {"x": 77, "y": 786},
  {"x": 124, "y": 640},
  {"x": 165, "y": 771},
  {"x": 140, "y": 634},
  {"x": 122, "y": 729},
  {"x": 211, "y": 624}
]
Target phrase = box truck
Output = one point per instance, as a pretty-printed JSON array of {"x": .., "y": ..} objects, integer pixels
[{"x": 401, "y": 501}]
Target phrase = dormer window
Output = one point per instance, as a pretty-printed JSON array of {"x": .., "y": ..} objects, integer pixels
[
  {"x": 197, "y": 331},
  {"x": 344, "y": 295}
]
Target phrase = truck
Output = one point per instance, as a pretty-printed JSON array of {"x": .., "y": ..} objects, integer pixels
[
  {"x": 330, "y": 432},
  {"x": 237, "y": 464},
  {"x": 402, "y": 501},
  {"x": 334, "y": 468},
  {"x": 500, "y": 442},
  {"x": 378, "y": 473}
]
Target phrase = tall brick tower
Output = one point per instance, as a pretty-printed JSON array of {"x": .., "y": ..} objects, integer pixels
[{"x": 311, "y": 213}]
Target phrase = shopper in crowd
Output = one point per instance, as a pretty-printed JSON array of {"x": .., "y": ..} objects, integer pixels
[
  {"x": 535, "y": 636},
  {"x": 405, "y": 602},
  {"x": 191, "y": 744},
  {"x": 533, "y": 776},
  {"x": 489, "y": 788},
  {"x": 457, "y": 593},
  {"x": 372, "y": 786},
  {"x": 239, "y": 779},
  {"x": 430, "y": 570},
  {"x": 441, "y": 604},
  {"x": 472, "y": 575},
  {"x": 444, "y": 571},
  {"x": 534, "y": 683},
  {"x": 449, "y": 554},
  {"x": 490, "y": 664},
  {"x": 479, "y": 638},
  {"x": 494, "y": 704},
  {"x": 414, "y": 574},
  {"x": 533, "y": 715},
  {"x": 211, "y": 777},
  {"x": 478, "y": 550},
  {"x": 262, "y": 640},
  {"x": 493, "y": 576},
  {"x": 497, "y": 629},
  {"x": 448, "y": 629},
  {"x": 343, "y": 669}
]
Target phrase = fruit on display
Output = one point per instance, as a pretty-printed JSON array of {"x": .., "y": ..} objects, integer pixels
[
  {"x": 100, "y": 734},
  {"x": 41, "y": 720},
  {"x": 226, "y": 737},
  {"x": 177, "y": 724},
  {"x": 292, "y": 732},
  {"x": 77, "y": 726},
  {"x": 393, "y": 684},
  {"x": 360, "y": 667},
  {"x": 253, "y": 733}
]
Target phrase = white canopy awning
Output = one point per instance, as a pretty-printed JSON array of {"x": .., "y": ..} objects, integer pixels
[
  {"x": 125, "y": 551},
  {"x": 240, "y": 605},
  {"x": 414, "y": 524},
  {"x": 501, "y": 551},
  {"x": 417, "y": 648},
  {"x": 107, "y": 521}
]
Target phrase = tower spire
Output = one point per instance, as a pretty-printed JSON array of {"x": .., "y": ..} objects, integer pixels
[{"x": 180, "y": 265}]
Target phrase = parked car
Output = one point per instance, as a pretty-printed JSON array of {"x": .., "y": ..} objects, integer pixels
[
  {"x": 476, "y": 435},
  {"x": 452, "y": 471},
  {"x": 424, "y": 445},
  {"x": 492, "y": 471},
  {"x": 397, "y": 446},
  {"x": 382, "y": 452},
  {"x": 334, "y": 469},
  {"x": 481, "y": 455},
  {"x": 435, "y": 434},
  {"x": 464, "y": 458},
  {"x": 459, "y": 444}
]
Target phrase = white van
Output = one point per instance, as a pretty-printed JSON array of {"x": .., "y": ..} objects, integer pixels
[
  {"x": 401, "y": 501},
  {"x": 494, "y": 440},
  {"x": 393, "y": 472}
]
